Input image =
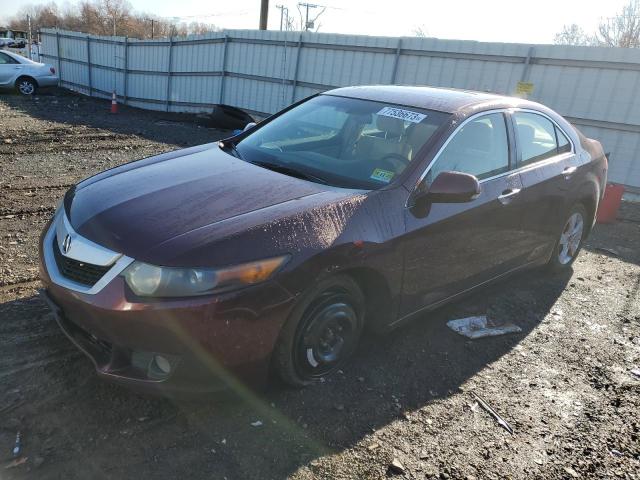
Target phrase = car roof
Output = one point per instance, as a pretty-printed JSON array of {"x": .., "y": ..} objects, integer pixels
[{"x": 449, "y": 100}]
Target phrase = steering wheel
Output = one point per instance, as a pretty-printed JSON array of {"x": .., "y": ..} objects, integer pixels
[{"x": 399, "y": 162}]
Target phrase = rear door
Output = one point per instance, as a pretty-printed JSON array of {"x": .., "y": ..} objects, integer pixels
[
  {"x": 547, "y": 165},
  {"x": 452, "y": 247}
]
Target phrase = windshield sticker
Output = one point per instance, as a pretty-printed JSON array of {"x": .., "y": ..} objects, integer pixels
[
  {"x": 413, "y": 117},
  {"x": 382, "y": 175}
]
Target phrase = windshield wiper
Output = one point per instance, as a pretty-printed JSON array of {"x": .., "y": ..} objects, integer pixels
[
  {"x": 293, "y": 172},
  {"x": 231, "y": 146}
]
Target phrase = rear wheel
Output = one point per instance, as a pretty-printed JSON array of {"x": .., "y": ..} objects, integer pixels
[
  {"x": 322, "y": 332},
  {"x": 570, "y": 240},
  {"x": 26, "y": 86}
]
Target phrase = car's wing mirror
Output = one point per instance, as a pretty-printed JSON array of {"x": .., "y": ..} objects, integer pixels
[
  {"x": 249, "y": 126},
  {"x": 448, "y": 187}
]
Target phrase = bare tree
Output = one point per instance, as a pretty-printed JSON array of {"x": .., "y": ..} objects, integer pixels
[
  {"x": 574, "y": 35},
  {"x": 623, "y": 30},
  {"x": 420, "y": 31},
  {"x": 46, "y": 15},
  {"x": 103, "y": 17}
]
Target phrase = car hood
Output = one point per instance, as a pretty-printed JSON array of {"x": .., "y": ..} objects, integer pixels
[{"x": 137, "y": 208}]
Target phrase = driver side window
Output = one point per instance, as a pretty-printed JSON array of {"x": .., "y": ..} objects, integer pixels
[
  {"x": 6, "y": 59},
  {"x": 480, "y": 148}
]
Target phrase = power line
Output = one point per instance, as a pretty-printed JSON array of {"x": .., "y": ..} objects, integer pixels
[
  {"x": 284, "y": 13},
  {"x": 309, "y": 24}
]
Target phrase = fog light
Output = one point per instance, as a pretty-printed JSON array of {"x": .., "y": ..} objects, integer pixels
[{"x": 162, "y": 364}]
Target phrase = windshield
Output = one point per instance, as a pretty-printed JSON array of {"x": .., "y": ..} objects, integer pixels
[{"x": 343, "y": 142}]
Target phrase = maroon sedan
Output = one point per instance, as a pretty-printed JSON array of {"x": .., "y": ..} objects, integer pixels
[{"x": 274, "y": 249}]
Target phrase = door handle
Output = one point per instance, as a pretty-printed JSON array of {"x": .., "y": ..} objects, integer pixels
[
  {"x": 508, "y": 195},
  {"x": 568, "y": 172}
]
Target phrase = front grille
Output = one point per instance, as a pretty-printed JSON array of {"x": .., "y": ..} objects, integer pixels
[{"x": 80, "y": 272}]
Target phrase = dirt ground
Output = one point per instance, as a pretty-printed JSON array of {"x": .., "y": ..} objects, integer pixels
[{"x": 564, "y": 384}]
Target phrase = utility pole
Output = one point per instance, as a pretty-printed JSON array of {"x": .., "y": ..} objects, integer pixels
[
  {"x": 264, "y": 13},
  {"x": 30, "y": 40},
  {"x": 308, "y": 25},
  {"x": 152, "y": 32},
  {"x": 284, "y": 13}
]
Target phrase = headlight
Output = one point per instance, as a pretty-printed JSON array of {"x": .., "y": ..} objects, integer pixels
[{"x": 151, "y": 281}]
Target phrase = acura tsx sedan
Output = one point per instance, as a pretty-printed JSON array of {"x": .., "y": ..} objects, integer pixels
[{"x": 273, "y": 250}]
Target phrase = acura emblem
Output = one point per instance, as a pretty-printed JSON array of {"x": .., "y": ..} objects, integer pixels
[{"x": 66, "y": 244}]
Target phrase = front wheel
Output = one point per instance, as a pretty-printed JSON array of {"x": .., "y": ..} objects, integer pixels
[
  {"x": 26, "y": 86},
  {"x": 322, "y": 332},
  {"x": 570, "y": 242}
]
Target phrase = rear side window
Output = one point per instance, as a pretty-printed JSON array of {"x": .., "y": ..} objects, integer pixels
[
  {"x": 538, "y": 138},
  {"x": 563, "y": 142},
  {"x": 480, "y": 148}
]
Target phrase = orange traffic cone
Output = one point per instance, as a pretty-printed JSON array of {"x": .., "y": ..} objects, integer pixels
[{"x": 114, "y": 103}]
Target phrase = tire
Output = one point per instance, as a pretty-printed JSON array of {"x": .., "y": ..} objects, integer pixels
[
  {"x": 571, "y": 239},
  {"x": 26, "y": 86},
  {"x": 322, "y": 332}
]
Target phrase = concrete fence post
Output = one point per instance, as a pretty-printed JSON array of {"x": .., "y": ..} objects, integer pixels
[
  {"x": 527, "y": 64},
  {"x": 394, "y": 73},
  {"x": 89, "y": 66},
  {"x": 223, "y": 72},
  {"x": 168, "y": 96},
  {"x": 126, "y": 68},
  {"x": 295, "y": 70},
  {"x": 59, "y": 58}
]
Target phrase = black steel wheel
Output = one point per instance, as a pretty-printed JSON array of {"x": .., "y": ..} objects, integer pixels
[{"x": 322, "y": 333}]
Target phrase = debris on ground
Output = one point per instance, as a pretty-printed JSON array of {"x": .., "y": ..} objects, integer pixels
[
  {"x": 635, "y": 372},
  {"x": 257, "y": 423},
  {"x": 17, "y": 448},
  {"x": 501, "y": 421},
  {"x": 571, "y": 472},
  {"x": 479, "y": 327},
  {"x": 16, "y": 462},
  {"x": 395, "y": 467}
]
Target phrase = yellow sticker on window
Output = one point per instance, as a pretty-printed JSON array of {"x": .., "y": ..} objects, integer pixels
[{"x": 382, "y": 175}]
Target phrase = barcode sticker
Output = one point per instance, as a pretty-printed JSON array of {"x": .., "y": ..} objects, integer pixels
[{"x": 409, "y": 116}]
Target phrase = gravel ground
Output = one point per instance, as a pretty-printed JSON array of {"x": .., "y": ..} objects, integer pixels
[{"x": 403, "y": 408}]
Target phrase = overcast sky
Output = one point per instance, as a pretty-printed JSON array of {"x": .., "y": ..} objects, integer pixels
[{"x": 485, "y": 20}]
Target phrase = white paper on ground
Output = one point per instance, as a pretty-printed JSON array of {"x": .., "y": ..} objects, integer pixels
[{"x": 478, "y": 327}]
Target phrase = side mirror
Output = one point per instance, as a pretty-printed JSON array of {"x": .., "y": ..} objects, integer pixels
[
  {"x": 448, "y": 187},
  {"x": 249, "y": 126},
  {"x": 453, "y": 187}
]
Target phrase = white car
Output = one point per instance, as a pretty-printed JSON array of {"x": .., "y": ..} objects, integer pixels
[{"x": 25, "y": 75}]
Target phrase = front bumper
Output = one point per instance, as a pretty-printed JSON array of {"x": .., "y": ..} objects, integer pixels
[{"x": 212, "y": 342}]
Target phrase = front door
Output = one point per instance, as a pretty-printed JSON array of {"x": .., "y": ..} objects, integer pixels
[
  {"x": 451, "y": 247},
  {"x": 8, "y": 69}
]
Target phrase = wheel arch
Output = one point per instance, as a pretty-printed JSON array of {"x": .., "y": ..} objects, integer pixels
[
  {"x": 589, "y": 196},
  {"x": 378, "y": 299},
  {"x": 28, "y": 77}
]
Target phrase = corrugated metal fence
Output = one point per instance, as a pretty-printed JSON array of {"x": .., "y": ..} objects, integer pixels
[{"x": 263, "y": 71}]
